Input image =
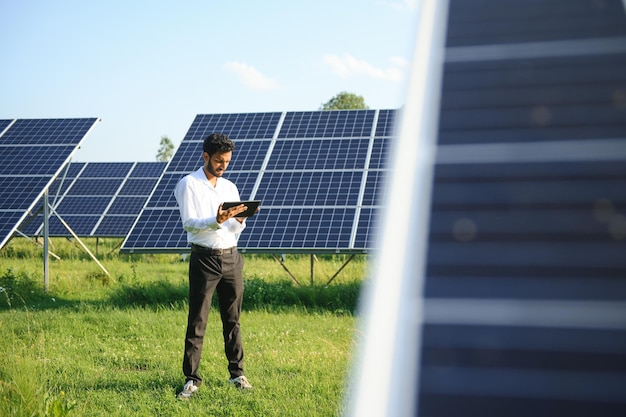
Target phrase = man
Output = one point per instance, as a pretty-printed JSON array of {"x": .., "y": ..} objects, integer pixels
[{"x": 214, "y": 264}]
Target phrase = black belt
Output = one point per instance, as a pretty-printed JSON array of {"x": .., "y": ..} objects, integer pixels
[{"x": 209, "y": 251}]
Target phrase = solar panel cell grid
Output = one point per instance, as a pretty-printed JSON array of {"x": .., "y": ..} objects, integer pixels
[
  {"x": 319, "y": 154},
  {"x": 380, "y": 153},
  {"x": 81, "y": 225},
  {"x": 374, "y": 184},
  {"x": 386, "y": 123},
  {"x": 301, "y": 228},
  {"x": 83, "y": 205},
  {"x": 138, "y": 186},
  {"x": 158, "y": 228},
  {"x": 163, "y": 195},
  {"x": 367, "y": 229},
  {"x": 4, "y": 123},
  {"x": 335, "y": 188},
  {"x": 245, "y": 182},
  {"x": 47, "y": 131},
  {"x": 127, "y": 205},
  {"x": 236, "y": 126},
  {"x": 21, "y": 160},
  {"x": 96, "y": 186},
  {"x": 148, "y": 170},
  {"x": 111, "y": 225},
  {"x": 331, "y": 124},
  {"x": 187, "y": 158},
  {"x": 18, "y": 192}
]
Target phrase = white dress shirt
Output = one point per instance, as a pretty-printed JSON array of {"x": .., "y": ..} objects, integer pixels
[{"x": 198, "y": 201}]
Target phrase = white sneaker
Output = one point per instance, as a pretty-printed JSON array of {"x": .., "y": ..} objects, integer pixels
[
  {"x": 241, "y": 382},
  {"x": 187, "y": 391}
]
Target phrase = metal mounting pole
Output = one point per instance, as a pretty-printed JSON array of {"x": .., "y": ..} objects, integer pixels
[
  {"x": 46, "y": 238},
  {"x": 80, "y": 242},
  {"x": 285, "y": 268}
]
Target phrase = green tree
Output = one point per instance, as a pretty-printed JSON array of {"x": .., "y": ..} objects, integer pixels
[
  {"x": 166, "y": 149},
  {"x": 345, "y": 101}
]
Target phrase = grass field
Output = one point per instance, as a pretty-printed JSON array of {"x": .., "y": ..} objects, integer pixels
[{"x": 111, "y": 345}]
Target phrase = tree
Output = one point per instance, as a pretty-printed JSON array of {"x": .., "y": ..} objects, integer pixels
[
  {"x": 345, "y": 101},
  {"x": 166, "y": 149}
]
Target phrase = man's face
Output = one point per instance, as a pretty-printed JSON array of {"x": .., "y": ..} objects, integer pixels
[{"x": 217, "y": 163}]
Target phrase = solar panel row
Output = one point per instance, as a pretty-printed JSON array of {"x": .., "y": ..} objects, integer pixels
[
  {"x": 97, "y": 199},
  {"x": 318, "y": 174}
]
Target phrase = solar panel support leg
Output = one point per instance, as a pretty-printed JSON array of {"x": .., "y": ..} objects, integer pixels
[
  {"x": 312, "y": 269},
  {"x": 340, "y": 269},
  {"x": 35, "y": 241},
  {"x": 69, "y": 229},
  {"x": 46, "y": 238},
  {"x": 280, "y": 261}
]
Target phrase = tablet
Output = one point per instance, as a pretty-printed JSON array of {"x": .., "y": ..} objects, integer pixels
[{"x": 252, "y": 206}]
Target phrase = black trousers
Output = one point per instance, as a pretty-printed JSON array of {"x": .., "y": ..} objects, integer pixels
[{"x": 209, "y": 273}]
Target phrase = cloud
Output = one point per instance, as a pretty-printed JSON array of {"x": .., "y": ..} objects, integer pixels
[
  {"x": 251, "y": 77},
  {"x": 347, "y": 66}
]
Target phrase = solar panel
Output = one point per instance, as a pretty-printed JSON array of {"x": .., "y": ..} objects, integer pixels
[
  {"x": 98, "y": 199},
  {"x": 33, "y": 152},
  {"x": 312, "y": 170},
  {"x": 514, "y": 303}
]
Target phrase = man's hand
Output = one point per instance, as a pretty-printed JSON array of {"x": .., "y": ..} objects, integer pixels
[{"x": 223, "y": 215}]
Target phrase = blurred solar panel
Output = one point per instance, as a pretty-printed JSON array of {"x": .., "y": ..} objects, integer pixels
[
  {"x": 312, "y": 170},
  {"x": 519, "y": 307},
  {"x": 99, "y": 199},
  {"x": 33, "y": 153}
]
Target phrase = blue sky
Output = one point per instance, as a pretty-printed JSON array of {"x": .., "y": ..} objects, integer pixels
[{"x": 147, "y": 68}]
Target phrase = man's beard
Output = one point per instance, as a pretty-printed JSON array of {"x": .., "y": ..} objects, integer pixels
[{"x": 212, "y": 171}]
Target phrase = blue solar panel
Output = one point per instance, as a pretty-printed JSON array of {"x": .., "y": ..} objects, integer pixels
[
  {"x": 100, "y": 199},
  {"x": 328, "y": 124},
  {"x": 47, "y": 132},
  {"x": 314, "y": 172},
  {"x": 148, "y": 170},
  {"x": 4, "y": 123},
  {"x": 33, "y": 161},
  {"x": 299, "y": 154},
  {"x": 373, "y": 188},
  {"x": 33, "y": 152},
  {"x": 157, "y": 228},
  {"x": 310, "y": 188},
  {"x": 386, "y": 123},
  {"x": 127, "y": 205},
  {"x": 16, "y": 193},
  {"x": 138, "y": 186},
  {"x": 301, "y": 229},
  {"x": 236, "y": 126},
  {"x": 515, "y": 258}
]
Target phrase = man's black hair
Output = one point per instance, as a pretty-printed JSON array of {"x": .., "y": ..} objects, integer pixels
[{"x": 218, "y": 142}]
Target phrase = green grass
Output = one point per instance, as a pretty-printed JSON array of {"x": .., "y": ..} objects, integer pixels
[{"x": 98, "y": 345}]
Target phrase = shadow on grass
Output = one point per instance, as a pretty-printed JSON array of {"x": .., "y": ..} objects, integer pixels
[{"x": 18, "y": 291}]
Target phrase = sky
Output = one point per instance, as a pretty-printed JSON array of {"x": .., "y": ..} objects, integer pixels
[{"x": 147, "y": 68}]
